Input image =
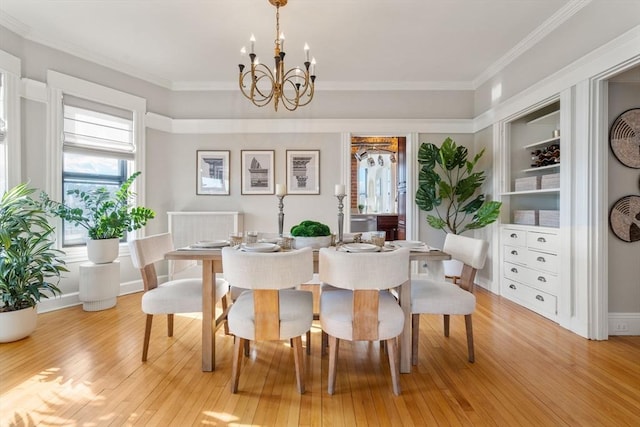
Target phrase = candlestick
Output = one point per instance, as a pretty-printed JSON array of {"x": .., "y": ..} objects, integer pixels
[
  {"x": 340, "y": 216},
  {"x": 280, "y": 215}
]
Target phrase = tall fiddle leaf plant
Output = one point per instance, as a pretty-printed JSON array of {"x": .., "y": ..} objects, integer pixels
[{"x": 447, "y": 181}]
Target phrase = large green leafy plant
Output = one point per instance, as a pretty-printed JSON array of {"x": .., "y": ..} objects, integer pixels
[
  {"x": 103, "y": 215},
  {"x": 447, "y": 180},
  {"x": 30, "y": 266}
]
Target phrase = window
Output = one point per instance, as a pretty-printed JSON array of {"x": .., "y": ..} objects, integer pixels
[
  {"x": 98, "y": 147},
  {"x": 3, "y": 139}
]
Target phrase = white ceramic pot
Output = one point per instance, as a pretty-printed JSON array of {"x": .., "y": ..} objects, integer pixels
[
  {"x": 16, "y": 325},
  {"x": 312, "y": 242},
  {"x": 103, "y": 251}
]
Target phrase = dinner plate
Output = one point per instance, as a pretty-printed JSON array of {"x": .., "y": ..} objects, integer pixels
[
  {"x": 360, "y": 247},
  {"x": 210, "y": 244},
  {"x": 273, "y": 240},
  {"x": 260, "y": 247},
  {"x": 408, "y": 243}
]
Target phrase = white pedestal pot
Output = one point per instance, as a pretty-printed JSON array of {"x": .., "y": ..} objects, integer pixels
[
  {"x": 103, "y": 251},
  {"x": 15, "y": 325}
]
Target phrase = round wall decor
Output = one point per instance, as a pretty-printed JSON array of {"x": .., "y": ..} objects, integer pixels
[
  {"x": 624, "y": 138},
  {"x": 624, "y": 218}
]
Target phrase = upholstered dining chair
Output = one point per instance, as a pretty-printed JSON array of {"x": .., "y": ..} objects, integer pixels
[
  {"x": 362, "y": 309},
  {"x": 446, "y": 298},
  {"x": 270, "y": 310},
  {"x": 173, "y": 296}
]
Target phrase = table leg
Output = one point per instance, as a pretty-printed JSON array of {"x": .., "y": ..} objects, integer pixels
[{"x": 208, "y": 316}]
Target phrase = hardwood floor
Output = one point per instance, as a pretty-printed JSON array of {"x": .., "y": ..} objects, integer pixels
[{"x": 84, "y": 369}]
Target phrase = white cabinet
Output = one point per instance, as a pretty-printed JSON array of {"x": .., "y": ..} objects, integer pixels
[
  {"x": 530, "y": 255},
  {"x": 530, "y": 267}
]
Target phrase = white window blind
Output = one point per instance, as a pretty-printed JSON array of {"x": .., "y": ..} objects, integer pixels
[{"x": 97, "y": 129}]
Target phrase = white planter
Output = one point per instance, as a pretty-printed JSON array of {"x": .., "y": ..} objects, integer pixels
[
  {"x": 103, "y": 251},
  {"x": 452, "y": 268},
  {"x": 99, "y": 285},
  {"x": 16, "y": 325},
  {"x": 312, "y": 242}
]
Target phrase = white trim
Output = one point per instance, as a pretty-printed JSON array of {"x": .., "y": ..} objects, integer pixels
[
  {"x": 531, "y": 40},
  {"x": 33, "y": 90},
  {"x": 71, "y": 299},
  {"x": 618, "y": 321},
  {"x": 10, "y": 66},
  {"x": 245, "y": 126},
  {"x": 213, "y": 86}
]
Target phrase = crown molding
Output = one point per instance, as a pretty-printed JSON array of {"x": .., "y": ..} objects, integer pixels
[
  {"x": 335, "y": 86},
  {"x": 533, "y": 38},
  {"x": 245, "y": 126}
]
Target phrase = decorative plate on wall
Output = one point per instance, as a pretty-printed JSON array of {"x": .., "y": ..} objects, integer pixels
[
  {"x": 625, "y": 218},
  {"x": 624, "y": 138}
]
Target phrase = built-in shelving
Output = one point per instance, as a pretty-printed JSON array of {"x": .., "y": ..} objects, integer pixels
[
  {"x": 541, "y": 168},
  {"x": 542, "y": 143},
  {"x": 546, "y": 190}
]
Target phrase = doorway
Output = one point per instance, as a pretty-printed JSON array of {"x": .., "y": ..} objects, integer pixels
[{"x": 378, "y": 185}]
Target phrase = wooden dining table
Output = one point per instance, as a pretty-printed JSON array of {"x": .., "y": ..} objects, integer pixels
[{"x": 211, "y": 260}]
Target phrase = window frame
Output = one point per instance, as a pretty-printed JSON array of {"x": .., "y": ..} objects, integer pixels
[
  {"x": 59, "y": 85},
  {"x": 10, "y": 68}
]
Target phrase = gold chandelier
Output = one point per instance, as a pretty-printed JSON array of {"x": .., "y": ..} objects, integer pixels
[{"x": 260, "y": 84}]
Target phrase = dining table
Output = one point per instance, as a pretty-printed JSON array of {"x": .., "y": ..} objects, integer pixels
[{"x": 211, "y": 259}]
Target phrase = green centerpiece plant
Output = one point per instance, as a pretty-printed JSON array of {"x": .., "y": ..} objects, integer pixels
[{"x": 311, "y": 234}]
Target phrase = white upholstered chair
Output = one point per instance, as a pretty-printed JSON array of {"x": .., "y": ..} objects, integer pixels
[
  {"x": 362, "y": 309},
  {"x": 174, "y": 296},
  {"x": 271, "y": 310},
  {"x": 446, "y": 298}
]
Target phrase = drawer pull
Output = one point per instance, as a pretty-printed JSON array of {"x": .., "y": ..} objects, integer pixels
[
  {"x": 514, "y": 252},
  {"x": 541, "y": 259},
  {"x": 512, "y": 286},
  {"x": 540, "y": 298},
  {"x": 542, "y": 279},
  {"x": 514, "y": 270},
  {"x": 542, "y": 240},
  {"x": 514, "y": 236}
]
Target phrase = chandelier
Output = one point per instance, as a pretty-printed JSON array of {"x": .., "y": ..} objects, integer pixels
[{"x": 261, "y": 85}]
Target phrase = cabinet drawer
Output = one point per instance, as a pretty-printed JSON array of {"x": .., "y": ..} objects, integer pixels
[
  {"x": 534, "y": 299},
  {"x": 514, "y": 237},
  {"x": 543, "y": 241},
  {"x": 542, "y": 260},
  {"x": 515, "y": 254},
  {"x": 538, "y": 279}
]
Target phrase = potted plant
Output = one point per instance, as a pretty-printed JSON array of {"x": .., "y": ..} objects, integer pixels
[
  {"x": 30, "y": 266},
  {"x": 447, "y": 180},
  {"x": 311, "y": 234},
  {"x": 106, "y": 217}
]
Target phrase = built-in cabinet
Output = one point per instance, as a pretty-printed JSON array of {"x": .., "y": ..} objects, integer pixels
[{"x": 530, "y": 247}]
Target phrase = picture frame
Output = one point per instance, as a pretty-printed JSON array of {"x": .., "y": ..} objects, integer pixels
[
  {"x": 212, "y": 169},
  {"x": 303, "y": 171},
  {"x": 258, "y": 171}
]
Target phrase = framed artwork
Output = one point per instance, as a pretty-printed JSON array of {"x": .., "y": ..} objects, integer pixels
[
  {"x": 303, "y": 171},
  {"x": 212, "y": 173},
  {"x": 258, "y": 172}
]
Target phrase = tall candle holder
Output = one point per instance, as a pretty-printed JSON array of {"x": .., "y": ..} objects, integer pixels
[
  {"x": 280, "y": 215},
  {"x": 340, "y": 216}
]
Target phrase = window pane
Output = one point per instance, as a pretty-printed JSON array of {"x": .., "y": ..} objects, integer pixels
[{"x": 91, "y": 165}]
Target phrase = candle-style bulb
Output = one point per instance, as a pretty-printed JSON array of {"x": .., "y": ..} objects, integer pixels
[
  {"x": 282, "y": 42},
  {"x": 253, "y": 43},
  {"x": 306, "y": 51},
  {"x": 243, "y": 51}
]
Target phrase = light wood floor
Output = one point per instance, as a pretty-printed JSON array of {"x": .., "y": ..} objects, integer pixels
[{"x": 84, "y": 369}]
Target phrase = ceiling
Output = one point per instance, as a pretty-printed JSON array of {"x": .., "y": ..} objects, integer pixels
[{"x": 375, "y": 44}]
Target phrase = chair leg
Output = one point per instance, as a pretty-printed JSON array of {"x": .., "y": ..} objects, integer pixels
[
  {"x": 247, "y": 348},
  {"x": 297, "y": 358},
  {"x": 147, "y": 335},
  {"x": 309, "y": 342},
  {"x": 333, "y": 355},
  {"x": 237, "y": 360},
  {"x": 415, "y": 333},
  {"x": 225, "y": 306},
  {"x": 325, "y": 343},
  {"x": 394, "y": 367},
  {"x": 446, "y": 325},
  {"x": 170, "y": 325},
  {"x": 468, "y": 324}
]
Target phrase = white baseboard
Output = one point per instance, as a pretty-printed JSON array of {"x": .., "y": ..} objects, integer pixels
[
  {"x": 71, "y": 299},
  {"x": 624, "y": 323}
]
